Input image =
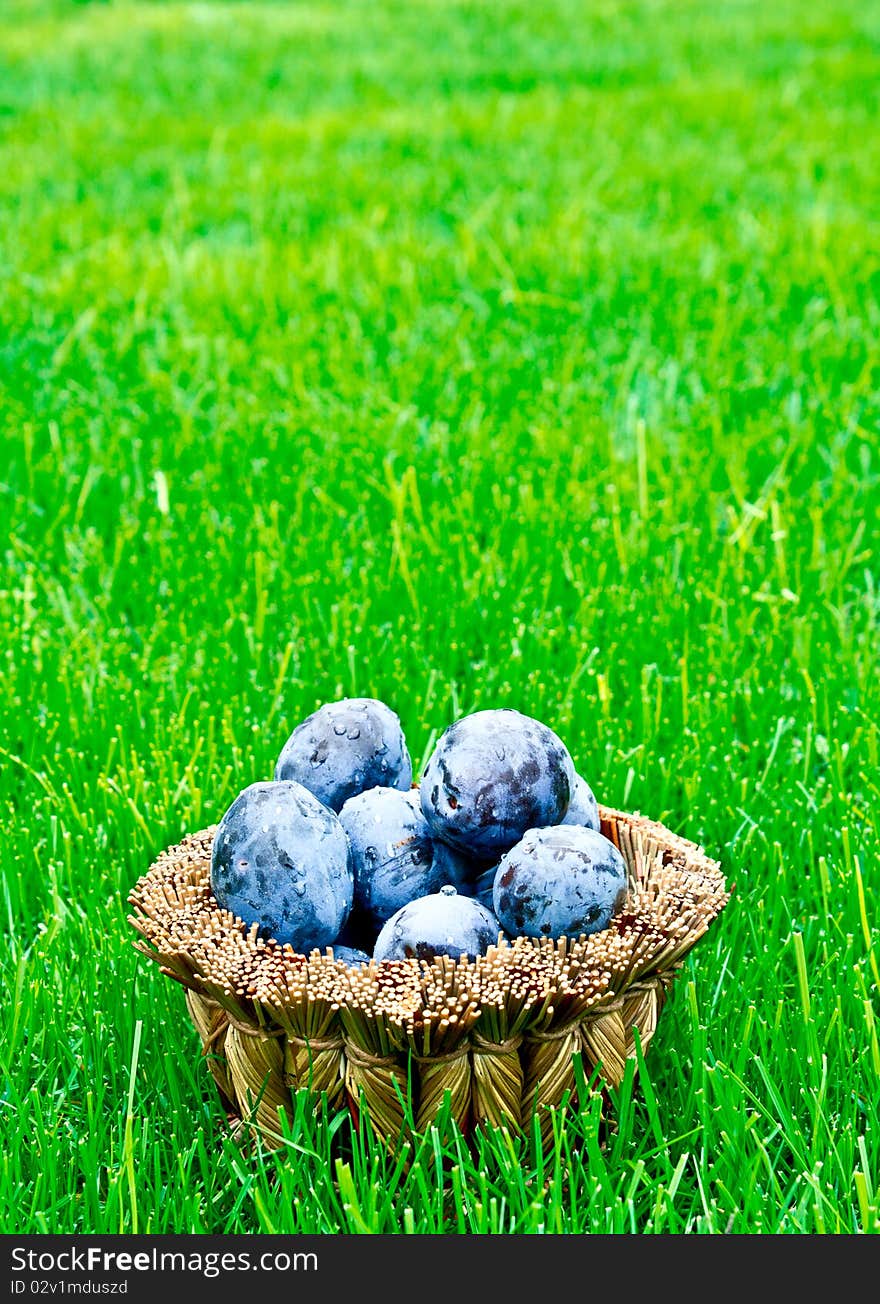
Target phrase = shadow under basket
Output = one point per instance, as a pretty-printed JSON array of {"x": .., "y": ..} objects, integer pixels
[{"x": 497, "y": 1037}]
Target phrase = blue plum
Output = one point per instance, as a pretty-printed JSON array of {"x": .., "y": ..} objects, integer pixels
[
  {"x": 493, "y": 775},
  {"x": 280, "y": 860},
  {"x": 584, "y": 808},
  {"x": 350, "y": 956},
  {"x": 559, "y": 882},
  {"x": 344, "y": 748},
  {"x": 441, "y": 924},
  {"x": 393, "y": 856}
]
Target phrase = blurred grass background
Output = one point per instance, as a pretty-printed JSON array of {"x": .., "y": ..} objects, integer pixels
[{"x": 460, "y": 354}]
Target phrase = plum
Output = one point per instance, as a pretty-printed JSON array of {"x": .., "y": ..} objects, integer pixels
[
  {"x": 584, "y": 808},
  {"x": 344, "y": 748},
  {"x": 493, "y": 775},
  {"x": 393, "y": 856},
  {"x": 559, "y": 882},
  {"x": 391, "y": 851},
  {"x": 281, "y": 860},
  {"x": 444, "y": 923}
]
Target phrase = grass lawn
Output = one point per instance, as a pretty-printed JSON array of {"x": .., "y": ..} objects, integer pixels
[{"x": 461, "y": 354}]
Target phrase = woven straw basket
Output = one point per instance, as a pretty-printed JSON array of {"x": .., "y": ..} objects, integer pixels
[{"x": 496, "y": 1038}]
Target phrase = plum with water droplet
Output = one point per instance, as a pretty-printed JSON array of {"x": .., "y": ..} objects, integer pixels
[
  {"x": 443, "y": 923},
  {"x": 344, "y": 748},
  {"x": 559, "y": 882},
  {"x": 493, "y": 775},
  {"x": 281, "y": 860},
  {"x": 393, "y": 855}
]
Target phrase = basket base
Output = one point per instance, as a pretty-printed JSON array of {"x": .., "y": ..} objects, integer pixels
[{"x": 495, "y": 1084}]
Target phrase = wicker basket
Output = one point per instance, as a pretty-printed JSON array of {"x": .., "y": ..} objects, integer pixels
[{"x": 495, "y": 1039}]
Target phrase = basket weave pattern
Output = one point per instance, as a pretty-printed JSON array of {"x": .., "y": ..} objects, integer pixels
[{"x": 497, "y": 1036}]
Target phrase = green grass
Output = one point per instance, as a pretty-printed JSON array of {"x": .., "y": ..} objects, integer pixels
[{"x": 463, "y": 354}]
